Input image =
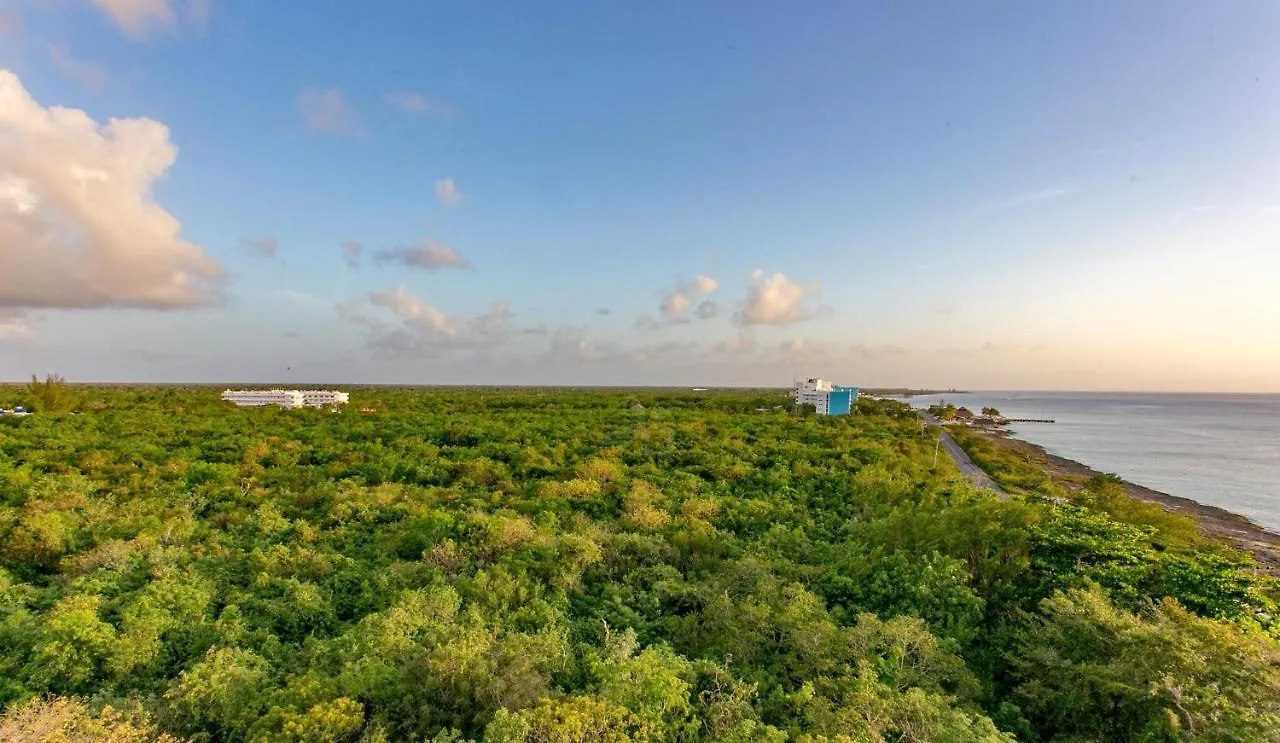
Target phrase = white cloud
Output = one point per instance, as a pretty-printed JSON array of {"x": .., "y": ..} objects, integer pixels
[
  {"x": 429, "y": 254},
  {"x": 418, "y": 103},
  {"x": 138, "y": 18},
  {"x": 351, "y": 251},
  {"x": 264, "y": 246},
  {"x": 326, "y": 111},
  {"x": 448, "y": 192},
  {"x": 676, "y": 303},
  {"x": 87, "y": 75},
  {"x": 775, "y": 300},
  {"x": 420, "y": 329},
  {"x": 78, "y": 224},
  {"x": 704, "y": 285}
]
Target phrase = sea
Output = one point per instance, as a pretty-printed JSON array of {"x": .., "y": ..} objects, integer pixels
[{"x": 1218, "y": 449}]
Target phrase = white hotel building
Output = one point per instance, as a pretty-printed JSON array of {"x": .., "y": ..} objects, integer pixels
[
  {"x": 286, "y": 398},
  {"x": 825, "y": 397}
]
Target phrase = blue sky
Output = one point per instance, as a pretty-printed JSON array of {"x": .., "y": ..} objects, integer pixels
[{"x": 989, "y": 195}]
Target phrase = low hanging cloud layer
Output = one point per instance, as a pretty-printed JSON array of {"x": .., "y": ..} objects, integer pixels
[
  {"x": 775, "y": 300},
  {"x": 421, "y": 330},
  {"x": 78, "y": 225},
  {"x": 429, "y": 254},
  {"x": 139, "y": 18}
]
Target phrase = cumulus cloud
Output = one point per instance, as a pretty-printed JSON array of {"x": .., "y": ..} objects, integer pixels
[
  {"x": 775, "y": 300},
  {"x": 79, "y": 227},
  {"x": 326, "y": 111},
  {"x": 704, "y": 285},
  {"x": 707, "y": 309},
  {"x": 264, "y": 246},
  {"x": 351, "y": 251},
  {"x": 675, "y": 304},
  {"x": 418, "y": 104},
  {"x": 418, "y": 329},
  {"x": 138, "y": 18},
  {"x": 429, "y": 254},
  {"x": 87, "y": 75},
  {"x": 448, "y": 192}
]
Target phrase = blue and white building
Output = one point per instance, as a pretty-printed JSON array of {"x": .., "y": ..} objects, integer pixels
[{"x": 825, "y": 397}]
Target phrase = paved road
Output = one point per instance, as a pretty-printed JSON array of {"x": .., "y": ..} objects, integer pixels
[
  {"x": 967, "y": 468},
  {"x": 972, "y": 472}
]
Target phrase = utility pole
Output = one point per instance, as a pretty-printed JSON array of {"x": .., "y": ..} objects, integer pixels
[{"x": 937, "y": 444}]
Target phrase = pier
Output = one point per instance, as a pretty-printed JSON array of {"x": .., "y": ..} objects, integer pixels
[{"x": 1028, "y": 420}]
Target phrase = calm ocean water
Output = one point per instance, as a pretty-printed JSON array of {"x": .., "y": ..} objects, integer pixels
[{"x": 1221, "y": 450}]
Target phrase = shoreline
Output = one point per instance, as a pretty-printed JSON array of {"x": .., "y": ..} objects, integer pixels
[{"x": 1213, "y": 521}]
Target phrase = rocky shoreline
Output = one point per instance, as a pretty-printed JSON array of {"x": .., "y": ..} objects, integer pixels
[{"x": 1215, "y": 522}]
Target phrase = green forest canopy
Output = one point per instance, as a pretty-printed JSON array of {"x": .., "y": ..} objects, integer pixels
[{"x": 558, "y": 565}]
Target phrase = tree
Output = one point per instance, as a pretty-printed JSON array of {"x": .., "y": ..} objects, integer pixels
[
  {"x": 50, "y": 396},
  {"x": 62, "y": 720},
  {"x": 943, "y": 411},
  {"x": 990, "y": 412},
  {"x": 1091, "y": 671}
]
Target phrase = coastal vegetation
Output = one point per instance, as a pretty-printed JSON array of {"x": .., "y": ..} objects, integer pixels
[
  {"x": 53, "y": 395},
  {"x": 503, "y": 566}
]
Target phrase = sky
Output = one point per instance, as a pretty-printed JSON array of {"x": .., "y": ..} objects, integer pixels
[{"x": 987, "y": 195}]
